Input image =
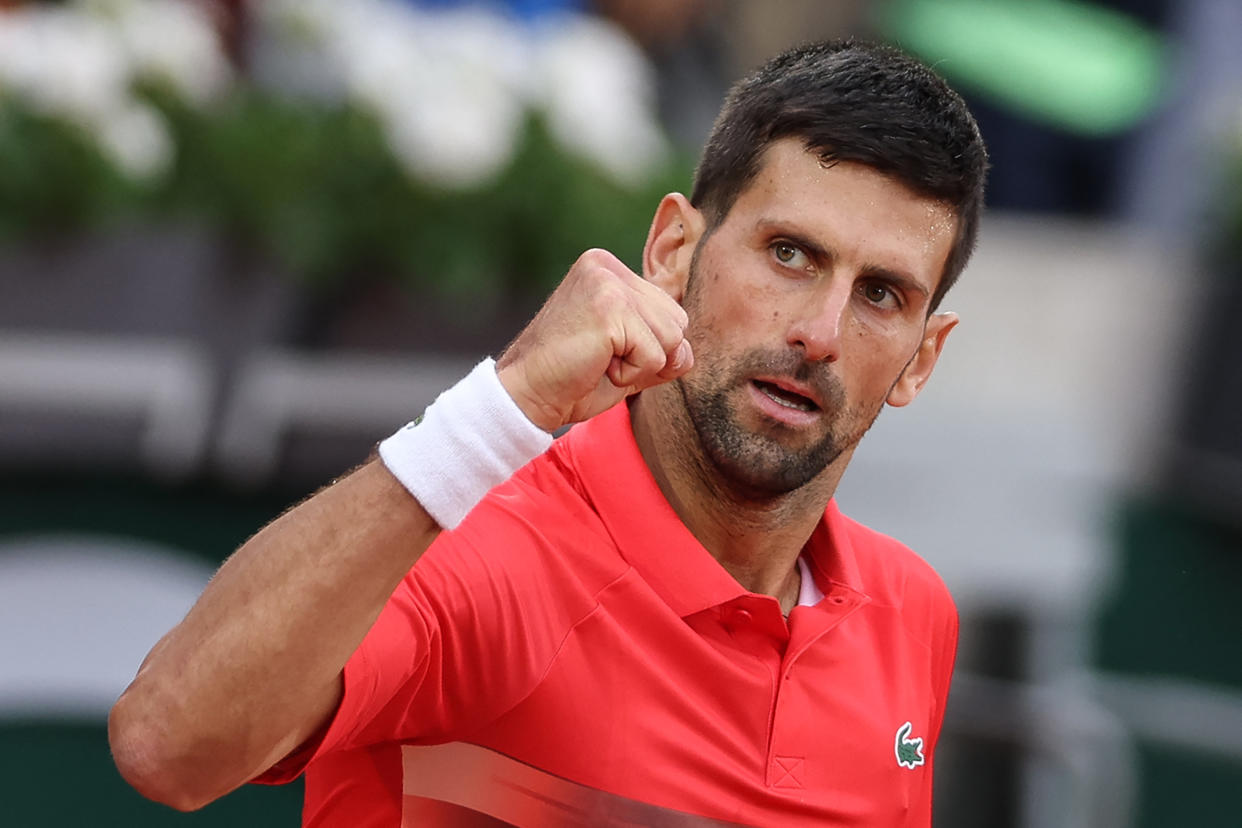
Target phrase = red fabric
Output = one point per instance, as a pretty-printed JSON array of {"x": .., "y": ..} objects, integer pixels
[{"x": 573, "y": 624}]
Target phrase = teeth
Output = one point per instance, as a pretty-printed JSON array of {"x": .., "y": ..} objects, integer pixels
[{"x": 777, "y": 396}]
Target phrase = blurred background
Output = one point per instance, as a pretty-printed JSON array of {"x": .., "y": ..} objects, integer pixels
[{"x": 241, "y": 241}]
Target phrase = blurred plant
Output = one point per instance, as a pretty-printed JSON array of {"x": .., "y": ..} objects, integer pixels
[{"x": 459, "y": 151}]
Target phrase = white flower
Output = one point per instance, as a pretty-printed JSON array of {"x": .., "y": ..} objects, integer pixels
[
  {"x": 445, "y": 87},
  {"x": 136, "y": 140},
  {"x": 72, "y": 65},
  {"x": 598, "y": 91},
  {"x": 451, "y": 88},
  {"x": 383, "y": 59},
  {"x": 174, "y": 41},
  {"x": 472, "y": 36},
  {"x": 62, "y": 63},
  {"x": 461, "y": 132}
]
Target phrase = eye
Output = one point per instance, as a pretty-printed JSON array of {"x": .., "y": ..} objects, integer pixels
[
  {"x": 789, "y": 254},
  {"x": 880, "y": 295}
]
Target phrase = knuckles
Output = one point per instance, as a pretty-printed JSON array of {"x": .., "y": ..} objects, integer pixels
[
  {"x": 607, "y": 298},
  {"x": 601, "y": 301},
  {"x": 597, "y": 257},
  {"x": 609, "y": 287}
]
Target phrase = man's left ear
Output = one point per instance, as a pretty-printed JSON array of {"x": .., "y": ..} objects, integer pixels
[
  {"x": 675, "y": 233},
  {"x": 919, "y": 369}
]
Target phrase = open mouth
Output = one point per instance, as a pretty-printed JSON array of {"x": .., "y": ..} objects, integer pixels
[{"x": 789, "y": 399}]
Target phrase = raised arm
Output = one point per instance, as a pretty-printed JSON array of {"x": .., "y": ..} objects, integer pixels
[{"x": 255, "y": 669}]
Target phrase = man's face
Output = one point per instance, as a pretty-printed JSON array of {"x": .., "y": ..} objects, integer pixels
[{"x": 806, "y": 304}]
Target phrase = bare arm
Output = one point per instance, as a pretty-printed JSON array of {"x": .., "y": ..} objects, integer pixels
[{"x": 255, "y": 668}]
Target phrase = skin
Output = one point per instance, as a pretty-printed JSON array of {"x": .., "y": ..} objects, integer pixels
[
  {"x": 818, "y": 279},
  {"x": 826, "y": 272}
]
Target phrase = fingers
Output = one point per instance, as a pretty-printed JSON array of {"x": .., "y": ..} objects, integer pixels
[
  {"x": 603, "y": 334},
  {"x": 642, "y": 359},
  {"x": 648, "y": 330},
  {"x": 681, "y": 361}
]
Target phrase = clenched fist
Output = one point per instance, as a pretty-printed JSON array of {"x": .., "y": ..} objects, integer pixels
[{"x": 603, "y": 334}]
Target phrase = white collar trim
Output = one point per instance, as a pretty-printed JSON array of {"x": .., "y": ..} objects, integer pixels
[{"x": 808, "y": 594}]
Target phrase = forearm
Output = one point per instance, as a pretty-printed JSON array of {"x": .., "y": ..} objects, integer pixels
[{"x": 255, "y": 667}]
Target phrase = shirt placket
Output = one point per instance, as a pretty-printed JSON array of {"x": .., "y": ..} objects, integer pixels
[{"x": 789, "y": 733}]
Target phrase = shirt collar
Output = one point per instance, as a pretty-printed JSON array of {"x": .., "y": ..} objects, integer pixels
[
  {"x": 833, "y": 557},
  {"x": 652, "y": 538}
]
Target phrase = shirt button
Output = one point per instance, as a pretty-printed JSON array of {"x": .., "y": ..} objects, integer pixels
[{"x": 740, "y": 618}]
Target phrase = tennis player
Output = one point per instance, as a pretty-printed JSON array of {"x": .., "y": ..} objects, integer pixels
[{"x": 661, "y": 618}]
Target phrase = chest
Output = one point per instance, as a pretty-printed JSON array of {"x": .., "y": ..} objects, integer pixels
[{"x": 731, "y": 713}]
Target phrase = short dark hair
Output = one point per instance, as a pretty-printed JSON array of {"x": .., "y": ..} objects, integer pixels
[{"x": 852, "y": 101}]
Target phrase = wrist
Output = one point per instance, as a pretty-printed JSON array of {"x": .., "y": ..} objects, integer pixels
[
  {"x": 471, "y": 439},
  {"x": 544, "y": 417}
]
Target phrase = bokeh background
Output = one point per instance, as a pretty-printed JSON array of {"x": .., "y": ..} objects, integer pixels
[{"x": 242, "y": 241}]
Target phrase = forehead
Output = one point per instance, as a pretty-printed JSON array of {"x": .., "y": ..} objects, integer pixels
[{"x": 849, "y": 208}]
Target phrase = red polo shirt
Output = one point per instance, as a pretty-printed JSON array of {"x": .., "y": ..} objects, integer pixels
[{"x": 571, "y": 655}]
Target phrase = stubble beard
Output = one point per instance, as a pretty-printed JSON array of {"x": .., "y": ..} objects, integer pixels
[{"x": 763, "y": 463}]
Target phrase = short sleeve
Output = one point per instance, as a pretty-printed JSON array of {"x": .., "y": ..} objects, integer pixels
[{"x": 475, "y": 624}]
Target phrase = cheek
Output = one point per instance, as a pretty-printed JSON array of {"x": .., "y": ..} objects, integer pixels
[
  {"x": 877, "y": 359},
  {"x": 732, "y": 317},
  {"x": 757, "y": 311},
  {"x": 731, "y": 311}
]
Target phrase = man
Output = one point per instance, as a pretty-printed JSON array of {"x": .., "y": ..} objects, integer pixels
[{"x": 663, "y": 619}]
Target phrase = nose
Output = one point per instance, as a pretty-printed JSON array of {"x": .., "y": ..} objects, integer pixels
[{"x": 818, "y": 323}]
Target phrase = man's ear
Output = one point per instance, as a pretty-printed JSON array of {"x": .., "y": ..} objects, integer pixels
[
  {"x": 920, "y": 366},
  {"x": 675, "y": 233}
]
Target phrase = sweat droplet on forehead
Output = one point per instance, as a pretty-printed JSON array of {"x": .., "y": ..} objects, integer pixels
[{"x": 940, "y": 223}]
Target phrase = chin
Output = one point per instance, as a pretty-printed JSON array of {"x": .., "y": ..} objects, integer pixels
[
  {"x": 765, "y": 472},
  {"x": 758, "y": 460}
]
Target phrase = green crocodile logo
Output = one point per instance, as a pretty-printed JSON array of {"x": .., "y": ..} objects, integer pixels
[{"x": 909, "y": 751}]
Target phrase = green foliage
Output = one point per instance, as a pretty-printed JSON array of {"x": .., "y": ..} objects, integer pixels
[
  {"x": 53, "y": 177},
  {"x": 316, "y": 189}
]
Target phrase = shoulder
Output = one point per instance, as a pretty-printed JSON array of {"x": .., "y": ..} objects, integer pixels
[
  {"x": 498, "y": 594},
  {"x": 537, "y": 533},
  {"x": 544, "y": 502},
  {"x": 896, "y": 576}
]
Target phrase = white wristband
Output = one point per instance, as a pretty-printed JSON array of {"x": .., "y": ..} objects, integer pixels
[{"x": 471, "y": 439}]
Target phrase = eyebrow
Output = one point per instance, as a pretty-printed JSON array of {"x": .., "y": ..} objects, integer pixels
[
  {"x": 827, "y": 254},
  {"x": 895, "y": 277}
]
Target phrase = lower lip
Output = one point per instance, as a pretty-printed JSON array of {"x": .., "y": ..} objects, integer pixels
[{"x": 782, "y": 413}]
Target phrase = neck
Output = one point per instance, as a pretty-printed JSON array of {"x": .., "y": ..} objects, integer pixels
[{"x": 756, "y": 539}]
